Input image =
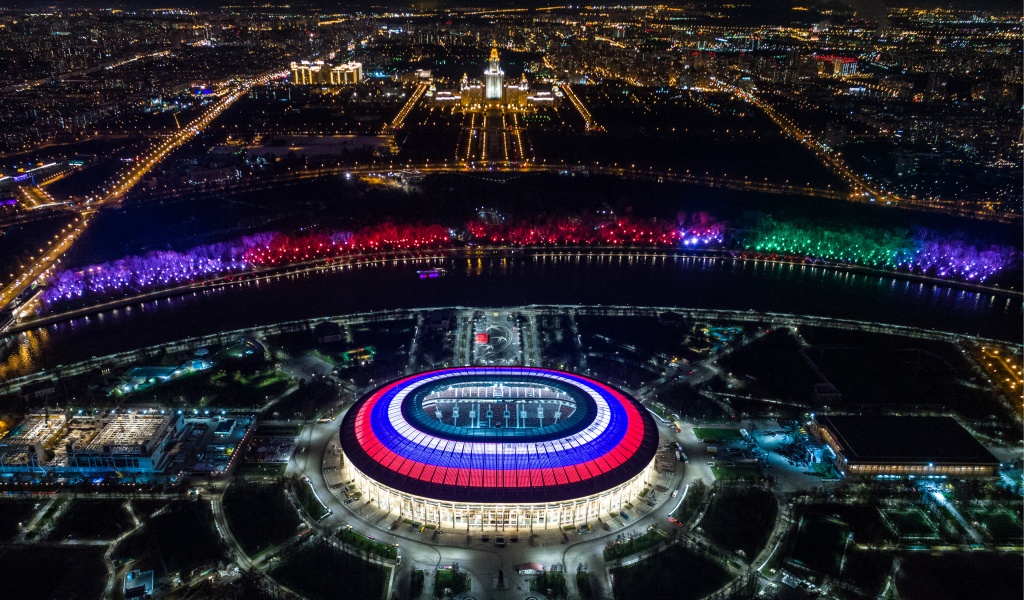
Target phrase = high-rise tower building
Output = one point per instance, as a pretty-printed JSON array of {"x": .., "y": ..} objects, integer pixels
[{"x": 494, "y": 77}]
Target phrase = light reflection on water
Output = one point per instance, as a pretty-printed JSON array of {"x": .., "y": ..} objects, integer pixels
[{"x": 552, "y": 277}]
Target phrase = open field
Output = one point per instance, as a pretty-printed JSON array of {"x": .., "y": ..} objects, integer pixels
[{"x": 675, "y": 573}]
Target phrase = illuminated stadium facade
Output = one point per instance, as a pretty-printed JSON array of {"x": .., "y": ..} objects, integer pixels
[{"x": 499, "y": 448}]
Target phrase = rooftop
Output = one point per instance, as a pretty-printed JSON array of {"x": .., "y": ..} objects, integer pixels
[
  {"x": 35, "y": 429},
  {"x": 129, "y": 431},
  {"x": 905, "y": 438}
]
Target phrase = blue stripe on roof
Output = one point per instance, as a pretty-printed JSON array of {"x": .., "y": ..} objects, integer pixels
[{"x": 567, "y": 457}]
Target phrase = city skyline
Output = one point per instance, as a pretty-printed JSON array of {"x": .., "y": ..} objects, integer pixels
[{"x": 702, "y": 301}]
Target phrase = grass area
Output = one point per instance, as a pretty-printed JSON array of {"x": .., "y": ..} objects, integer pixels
[
  {"x": 14, "y": 513},
  {"x": 144, "y": 508},
  {"x": 912, "y": 524},
  {"x": 992, "y": 576},
  {"x": 863, "y": 520},
  {"x": 259, "y": 515},
  {"x": 308, "y": 500},
  {"x": 354, "y": 539},
  {"x": 92, "y": 520},
  {"x": 262, "y": 470},
  {"x": 279, "y": 430},
  {"x": 1001, "y": 526},
  {"x": 183, "y": 539},
  {"x": 583, "y": 585},
  {"x": 867, "y": 569},
  {"x": 52, "y": 511},
  {"x": 740, "y": 520},
  {"x": 640, "y": 543},
  {"x": 450, "y": 579},
  {"x": 775, "y": 363},
  {"x": 746, "y": 472},
  {"x": 717, "y": 435},
  {"x": 549, "y": 583},
  {"x": 222, "y": 387},
  {"x": 418, "y": 577},
  {"x": 819, "y": 544},
  {"x": 659, "y": 410},
  {"x": 70, "y": 572},
  {"x": 904, "y": 371},
  {"x": 694, "y": 497},
  {"x": 319, "y": 571},
  {"x": 675, "y": 573}
]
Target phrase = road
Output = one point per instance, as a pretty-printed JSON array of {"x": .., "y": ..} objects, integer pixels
[{"x": 52, "y": 254}]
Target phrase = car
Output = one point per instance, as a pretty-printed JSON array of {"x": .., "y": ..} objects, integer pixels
[{"x": 675, "y": 493}]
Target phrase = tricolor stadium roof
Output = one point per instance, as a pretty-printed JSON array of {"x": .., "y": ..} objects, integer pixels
[{"x": 556, "y": 436}]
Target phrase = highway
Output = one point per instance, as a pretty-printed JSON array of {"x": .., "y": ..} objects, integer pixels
[
  {"x": 863, "y": 189},
  {"x": 50, "y": 256}
]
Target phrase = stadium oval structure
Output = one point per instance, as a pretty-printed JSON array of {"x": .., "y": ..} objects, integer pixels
[{"x": 498, "y": 447}]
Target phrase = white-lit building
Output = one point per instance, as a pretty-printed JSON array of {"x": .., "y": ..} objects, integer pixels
[
  {"x": 494, "y": 92},
  {"x": 133, "y": 443},
  {"x": 322, "y": 73},
  {"x": 499, "y": 448}
]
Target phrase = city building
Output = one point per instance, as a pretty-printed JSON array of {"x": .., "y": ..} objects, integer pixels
[
  {"x": 499, "y": 448},
  {"x": 24, "y": 447},
  {"x": 134, "y": 441},
  {"x": 903, "y": 447},
  {"x": 322, "y": 73},
  {"x": 123, "y": 442},
  {"x": 138, "y": 584},
  {"x": 346, "y": 73},
  {"x": 494, "y": 92}
]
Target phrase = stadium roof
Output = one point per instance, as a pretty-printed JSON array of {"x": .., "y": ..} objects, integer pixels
[
  {"x": 607, "y": 441},
  {"x": 910, "y": 439}
]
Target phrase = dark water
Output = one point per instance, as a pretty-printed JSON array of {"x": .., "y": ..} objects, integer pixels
[{"x": 675, "y": 281}]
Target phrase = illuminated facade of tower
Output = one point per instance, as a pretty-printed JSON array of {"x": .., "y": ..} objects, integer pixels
[
  {"x": 493, "y": 92},
  {"x": 494, "y": 77}
]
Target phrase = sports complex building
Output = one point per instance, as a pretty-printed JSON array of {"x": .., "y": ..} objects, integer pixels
[
  {"x": 896, "y": 447},
  {"x": 499, "y": 448}
]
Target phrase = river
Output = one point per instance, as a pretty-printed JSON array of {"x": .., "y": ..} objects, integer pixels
[{"x": 536, "y": 279}]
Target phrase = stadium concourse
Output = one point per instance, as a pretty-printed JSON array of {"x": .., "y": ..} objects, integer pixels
[{"x": 499, "y": 447}]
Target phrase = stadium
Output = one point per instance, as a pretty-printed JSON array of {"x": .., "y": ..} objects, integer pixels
[{"x": 498, "y": 448}]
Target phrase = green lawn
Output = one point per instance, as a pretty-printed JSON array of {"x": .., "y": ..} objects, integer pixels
[
  {"x": 260, "y": 470},
  {"x": 1002, "y": 526},
  {"x": 744, "y": 471},
  {"x": 583, "y": 585},
  {"x": 308, "y": 500},
  {"x": 549, "y": 583},
  {"x": 259, "y": 515},
  {"x": 639, "y": 544},
  {"x": 675, "y": 573},
  {"x": 694, "y": 497},
  {"x": 320, "y": 571},
  {"x": 819, "y": 544},
  {"x": 362, "y": 543},
  {"x": 456, "y": 581},
  {"x": 912, "y": 524},
  {"x": 717, "y": 434},
  {"x": 740, "y": 520}
]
